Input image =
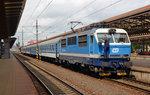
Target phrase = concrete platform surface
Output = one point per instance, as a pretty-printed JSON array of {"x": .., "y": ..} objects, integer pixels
[
  {"x": 141, "y": 60},
  {"x": 137, "y": 56},
  {"x": 140, "y": 68},
  {"x": 14, "y": 80}
]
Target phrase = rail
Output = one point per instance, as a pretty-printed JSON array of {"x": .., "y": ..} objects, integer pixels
[
  {"x": 138, "y": 85},
  {"x": 39, "y": 80},
  {"x": 60, "y": 80}
]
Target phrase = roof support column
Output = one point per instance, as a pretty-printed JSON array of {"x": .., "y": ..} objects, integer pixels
[
  {"x": 0, "y": 48},
  {"x": 148, "y": 48},
  {"x": 7, "y": 48}
]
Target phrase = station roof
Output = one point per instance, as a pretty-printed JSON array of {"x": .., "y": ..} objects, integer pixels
[
  {"x": 10, "y": 14},
  {"x": 136, "y": 23}
]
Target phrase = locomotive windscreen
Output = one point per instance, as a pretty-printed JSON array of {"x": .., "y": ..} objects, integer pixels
[
  {"x": 101, "y": 36},
  {"x": 116, "y": 37},
  {"x": 121, "y": 38}
]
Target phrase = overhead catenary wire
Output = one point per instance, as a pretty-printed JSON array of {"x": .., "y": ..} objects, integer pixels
[
  {"x": 33, "y": 11},
  {"x": 72, "y": 14},
  {"x": 68, "y": 16},
  {"x": 99, "y": 10},
  {"x": 28, "y": 31},
  {"x": 32, "y": 14},
  {"x": 90, "y": 13},
  {"x": 77, "y": 12},
  {"x": 45, "y": 8},
  {"x": 42, "y": 12},
  {"x": 82, "y": 8}
]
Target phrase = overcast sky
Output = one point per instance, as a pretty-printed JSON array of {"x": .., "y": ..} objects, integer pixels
[{"x": 58, "y": 13}]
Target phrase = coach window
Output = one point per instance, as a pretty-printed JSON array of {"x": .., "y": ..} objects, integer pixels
[
  {"x": 72, "y": 40},
  {"x": 46, "y": 47},
  {"x": 54, "y": 47},
  {"x": 63, "y": 43},
  {"x": 50, "y": 47},
  {"x": 83, "y": 41}
]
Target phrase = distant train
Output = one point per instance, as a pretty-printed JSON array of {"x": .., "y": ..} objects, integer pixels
[{"x": 86, "y": 51}]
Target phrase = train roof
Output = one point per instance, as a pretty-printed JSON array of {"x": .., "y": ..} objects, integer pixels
[
  {"x": 70, "y": 32},
  {"x": 105, "y": 30}
]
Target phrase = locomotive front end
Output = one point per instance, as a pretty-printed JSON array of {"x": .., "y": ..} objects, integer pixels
[{"x": 118, "y": 52}]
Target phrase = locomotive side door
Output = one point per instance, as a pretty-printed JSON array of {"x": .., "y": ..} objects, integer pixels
[
  {"x": 56, "y": 49},
  {"x": 91, "y": 44}
]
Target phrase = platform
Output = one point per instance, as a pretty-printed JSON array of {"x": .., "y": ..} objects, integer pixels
[
  {"x": 141, "y": 60},
  {"x": 14, "y": 79}
]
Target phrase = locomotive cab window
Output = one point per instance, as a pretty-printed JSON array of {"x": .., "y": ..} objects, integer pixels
[
  {"x": 72, "y": 40},
  {"x": 101, "y": 36},
  {"x": 121, "y": 38},
  {"x": 83, "y": 41},
  {"x": 63, "y": 43}
]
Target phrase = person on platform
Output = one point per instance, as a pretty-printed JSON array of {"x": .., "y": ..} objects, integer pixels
[{"x": 106, "y": 46}]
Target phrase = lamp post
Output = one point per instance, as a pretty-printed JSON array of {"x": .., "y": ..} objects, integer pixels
[{"x": 37, "y": 48}]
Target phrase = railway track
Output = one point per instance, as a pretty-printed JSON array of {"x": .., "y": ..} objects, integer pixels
[
  {"x": 132, "y": 83},
  {"x": 50, "y": 82}
]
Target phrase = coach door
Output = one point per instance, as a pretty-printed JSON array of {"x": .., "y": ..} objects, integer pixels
[{"x": 91, "y": 44}]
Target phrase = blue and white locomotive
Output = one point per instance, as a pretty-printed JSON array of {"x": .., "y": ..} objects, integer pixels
[{"x": 85, "y": 50}]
